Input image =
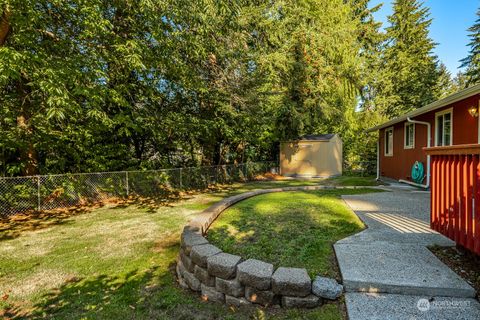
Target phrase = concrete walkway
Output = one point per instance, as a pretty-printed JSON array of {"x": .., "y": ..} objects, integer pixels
[{"x": 387, "y": 271}]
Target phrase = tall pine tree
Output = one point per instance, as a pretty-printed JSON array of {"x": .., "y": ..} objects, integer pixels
[
  {"x": 361, "y": 146},
  {"x": 411, "y": 72},
  {"x": 472, "y": 61}
]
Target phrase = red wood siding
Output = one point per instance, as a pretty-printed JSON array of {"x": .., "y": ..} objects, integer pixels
[
  {"x": 455, "y": 199},
  {"x": 464, "y": 130}
]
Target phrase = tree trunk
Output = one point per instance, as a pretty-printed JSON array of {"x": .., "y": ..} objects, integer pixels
[
  {"x": 28, "y": 155},
  {"x": 192, "y": 153},
  {"x": 217, "y": 154},
  {"x": 4, "y": 25}
]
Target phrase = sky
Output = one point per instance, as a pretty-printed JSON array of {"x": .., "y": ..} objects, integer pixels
[{"x": 451, "y": 19}]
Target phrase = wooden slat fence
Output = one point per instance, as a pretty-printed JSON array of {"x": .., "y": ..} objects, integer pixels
[{"x": 455, "y": 193}]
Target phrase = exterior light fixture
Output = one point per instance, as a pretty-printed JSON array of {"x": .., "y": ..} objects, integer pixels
[{"x": 473, "y": 111}]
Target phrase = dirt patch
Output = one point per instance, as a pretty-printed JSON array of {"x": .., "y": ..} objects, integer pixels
[
  {"x": 13, "y": 226},
  {"x": 464, "y": 263},
  {"x": 40, "y": 280},
  {"x": 132, "y": 231},
  {"x": 270, "y": 177},
  {"x": 33, "y": 246},
  {"x": 166, "y": 242}
]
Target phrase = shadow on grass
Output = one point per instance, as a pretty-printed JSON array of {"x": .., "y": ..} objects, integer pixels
[
  {"x": 139, "y": 294},
  {"x": 105, "y": 297},
  {"x": 150, "y": 293},
  {"x": 290, "y": 233},
  {"x": 15, "y": 225}
]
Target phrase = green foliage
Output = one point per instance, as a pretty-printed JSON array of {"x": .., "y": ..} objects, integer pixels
[
  {"x": 402, "y": 73},
  {"x": 445, "y": 84},
  {"x": 410, "y": 69},
  {"x": 144, "y": 84},
  {"x": 316, "y": 68},
  {"x": 103, "y": 85},
  {"x": 472, "y": 61}
]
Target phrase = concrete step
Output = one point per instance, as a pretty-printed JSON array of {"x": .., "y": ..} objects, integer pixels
[
  {"x": 367, "y": 306},
  {"x": 397, "y": 269}
]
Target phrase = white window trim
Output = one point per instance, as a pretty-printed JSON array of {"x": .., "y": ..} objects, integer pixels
[
  {"x": 478, "y": 117},
  {"x": 405, "y": 146},
  {"x": 441, "y": 113},
  {"x": 385, "y": 151}
]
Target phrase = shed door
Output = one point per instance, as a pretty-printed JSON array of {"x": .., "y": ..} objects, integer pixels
[{"x": 303, "y": 160}]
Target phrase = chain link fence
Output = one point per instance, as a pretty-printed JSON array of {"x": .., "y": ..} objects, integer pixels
[
  {"x": 361, "y": 168},
  {"x": 46, "y": 192}
]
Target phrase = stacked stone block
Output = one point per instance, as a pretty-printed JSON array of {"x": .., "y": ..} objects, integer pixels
[{"x": 227, "y": 278}]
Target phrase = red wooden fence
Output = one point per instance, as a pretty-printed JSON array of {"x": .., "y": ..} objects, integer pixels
[{"x": 455, "y": 193}]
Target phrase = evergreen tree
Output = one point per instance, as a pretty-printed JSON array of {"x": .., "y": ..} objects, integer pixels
[
  {"x": 370, "y": 39},
  {"x": 112, "y": 85},
  {"x": 361, "y": 146},
  {"x": 459, "y": 82},
  {"x": 445, "y": 83},
  {"x": 314, "y": 62},
  {"x": 472, "y": 61},
  {"x": 410, "y": 69}
]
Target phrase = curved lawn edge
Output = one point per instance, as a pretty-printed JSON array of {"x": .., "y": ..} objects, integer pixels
[
  {"x": 229, "y": 279},
  {"x": 204, "y": 220}
]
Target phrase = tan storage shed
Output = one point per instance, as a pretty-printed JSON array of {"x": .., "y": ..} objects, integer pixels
[{"x": 312, "y": 156}]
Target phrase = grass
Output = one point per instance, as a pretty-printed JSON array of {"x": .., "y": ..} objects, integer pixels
[
  {"x": 289, "y": 229},
  {"x": 353, "y": 181},
  {"x": 114, "y": 262}
]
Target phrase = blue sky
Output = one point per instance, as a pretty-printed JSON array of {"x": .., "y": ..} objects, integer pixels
[{"x": 451, "y": 19}]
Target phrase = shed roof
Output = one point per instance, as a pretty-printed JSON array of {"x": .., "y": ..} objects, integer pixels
[{"x": 315, "y": 137}]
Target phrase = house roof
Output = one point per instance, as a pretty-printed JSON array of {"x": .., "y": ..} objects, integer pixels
[
  {"x": 460, "y": 95},
  {"x": 316, "y": 137}
]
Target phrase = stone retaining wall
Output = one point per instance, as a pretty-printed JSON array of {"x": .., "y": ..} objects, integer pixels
[{"x": 229, "y": 279}]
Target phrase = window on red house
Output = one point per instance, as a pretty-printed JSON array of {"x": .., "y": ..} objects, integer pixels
[
  {"x": 409, "y": 139},
  {"x": 389, "y": 142},
  {"x": 443, "y": 134}
]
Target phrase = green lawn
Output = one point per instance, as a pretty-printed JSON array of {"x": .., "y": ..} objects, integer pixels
[
  {"x": 114, "y": 262},
  {"x": 289, "y": 229},
  {"x": 352, "y": 181}
]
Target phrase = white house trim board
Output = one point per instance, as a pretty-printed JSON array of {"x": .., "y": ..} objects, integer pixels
[{"x": 478, "y": 117}]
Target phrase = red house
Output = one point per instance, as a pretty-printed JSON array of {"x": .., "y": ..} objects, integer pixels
[{"x": 452, "y": 120}]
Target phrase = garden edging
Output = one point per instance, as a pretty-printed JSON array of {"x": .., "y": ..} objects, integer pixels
[{"x": 227, "y": 278}]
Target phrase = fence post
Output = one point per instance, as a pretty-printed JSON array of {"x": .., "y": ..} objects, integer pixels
[
  {"x": 39, "y": 203},
  {"x": 180, "y": 178},
  {"x": 127, "y": 186}
]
